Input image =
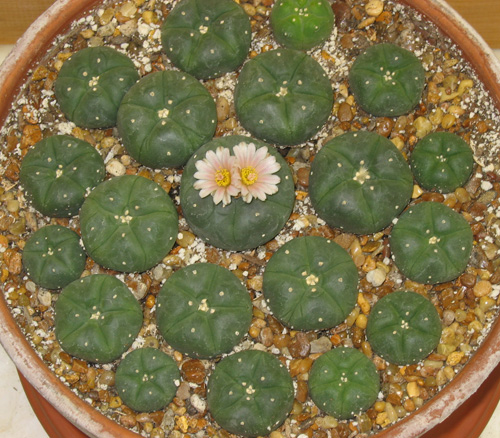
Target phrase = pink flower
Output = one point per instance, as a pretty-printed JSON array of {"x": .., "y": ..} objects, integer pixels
[
  {"x": 255, "y": 177},
  {"x": 217, "y": 175}
]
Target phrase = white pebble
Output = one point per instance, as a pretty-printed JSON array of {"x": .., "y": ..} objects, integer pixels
[{"x": 115, "y": 168}]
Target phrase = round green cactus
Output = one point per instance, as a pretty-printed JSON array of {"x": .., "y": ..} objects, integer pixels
[
  {"x": 237, "y": 225},
  {"x": 360, "y": 182},
  {"x": 250, "y": 393},
  {"x": 128, "y": 224},
  {"x": 283, "y": 96},
  {"x": 431, "y": 243},
  {"x": 165, "y": 117},
  {"x": 207, "y": 38},
  {"x": 97, "y": 318},
  {"x": 146, "y": 379},
  {"x": 387, "y": 80},
  {"x": 203, "y": 310},
  {"x": 343, "y": 382},
  {"x": 310, "y": 283},
  {"x": 442, "y": 161},
  {"x": 57, "y": 173},
  {"x": 53, "y": 257},
  {"x": 302, "y": 24},
  {"x": 403, "y": 327},
  {"x": 91, "y": 84}
]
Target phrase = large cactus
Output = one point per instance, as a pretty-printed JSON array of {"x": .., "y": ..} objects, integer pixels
[{"x": 203, "y": 310}]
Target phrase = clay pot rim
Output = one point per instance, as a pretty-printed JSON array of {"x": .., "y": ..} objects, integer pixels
[{"x": 13, "y": 72}]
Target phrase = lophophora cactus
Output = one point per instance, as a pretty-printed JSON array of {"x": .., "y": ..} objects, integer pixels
[
  {"x": 250, "y": 393},
  {"x": 57, "y": 173},
  {"x": 203, "y": 310},
  {"x": 128, "y": 223},
  {"x": 231, "y": 222},
  {"x": 283, "y": 96},
  {"x": 310, "y": 283},
  {"x": 387, "y": 80},
  {"x": 97, "y": 318},
  {"x": 206, "y": 38},
  {"x": 147, "y": 379},
  {"x": 91, "y": 84},
  {"x": 442, "y": 161},
  {"x": 53, "y": 257},
  {"x": 344, "y": 382},
  {"x": 403, "y": 327},
  {"x": 431, "y": 243},
  {"x": 360, "y": 182},
  {"x": 165, "y": 117},
  {"x": 302, "y": 24}
]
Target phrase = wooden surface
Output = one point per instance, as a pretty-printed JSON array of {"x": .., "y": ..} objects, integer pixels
[{"x": 16, "y": 16}]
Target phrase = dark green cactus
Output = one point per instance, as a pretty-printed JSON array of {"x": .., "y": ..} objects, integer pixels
[
  {"x": 250, "y": 393},
  {"x": 91, "y": 84},
  {"x": 360, "y": 182},
  {"x": 128, "y": 224},
  {"x": 387, "y": 80},
  {"x": 310, "y": 283},
  {"x": 203, "y": 310},
  {"x": 57, "y": 173},
  {"x": 53, "y": 257},
  {"x": 146, "y": 379},
  {"x": 442, "y": 161},
  {"x": 238, "y": 225},
  {"x": 97, "y": 318},
  {"x": 283, "y": 96},
  {"x": 403, "y": 327},
  {"x": 302, "y": 24},
  {"x": 431, "y": 243},
  {"x": 165, "y": 117},
  {"x": 343, "y": 382},
  {"x": 207, "y": 38}
]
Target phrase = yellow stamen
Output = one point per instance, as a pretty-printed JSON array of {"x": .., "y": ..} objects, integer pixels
[
  {"x": 249, "y": 175},
  {"x": 223, "y": 177}
]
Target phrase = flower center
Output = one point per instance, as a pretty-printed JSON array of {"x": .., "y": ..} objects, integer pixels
[
  {"x": 223, "y": 177},
  {"x": 249, "y": 175}
]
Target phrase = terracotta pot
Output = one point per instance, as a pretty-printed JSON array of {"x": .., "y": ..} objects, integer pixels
[{"x": 13, "y": 72}]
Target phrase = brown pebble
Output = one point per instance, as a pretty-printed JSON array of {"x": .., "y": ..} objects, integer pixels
[
  {"x": 384, "y": 126},
  {"x": 299, "y": 346},
  {"x": 342, "y": 12},
  {"x": 468, "y": 280},
  {"x": 303, "y": 176},
  {"x": 301, "y": 394},
  {"x": 194, "y": 371},
  {"x": 482, "y": 288},
  {"x": 345, "y": 112}
]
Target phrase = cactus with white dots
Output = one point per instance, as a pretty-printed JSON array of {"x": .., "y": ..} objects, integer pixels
[
  {"x": 57, "y": 173},
  {"x": 250, "y": 393},
  {"x": 91, "y": 84},
  {"x": 203, "y": 310},
  {"x": 128, "y": 223}
]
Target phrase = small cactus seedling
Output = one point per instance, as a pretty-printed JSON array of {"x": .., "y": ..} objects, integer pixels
[
  {"x": 203, "y": 310},
  {"x": 97, "y": 318},
  {"x": 403, "y": 327},
  {"x": 442, "y": 161},
  {"x": 91, "y": 84},
  {"x": 360, "y": 182},
  {"x": 431, "y": 243},
  {"x": 165, "y": 117},
  {"x": 207, "y": 38},
  {"x": 235, "y": 219},
  {"x": 250, "y": 393},
  {"x": 387, "y": 80},
  {"x": 343, "y": 382},
  {"x": 302, "y": 24},
  {"x": 283, "y": 96},
  {"x": 53, "y": 257},
  {"x": 146, "y": 379},
  {"x": 128, "y": 223},
  {"x": 57, "y": 173},
  {"x": 310, "y": 283}
]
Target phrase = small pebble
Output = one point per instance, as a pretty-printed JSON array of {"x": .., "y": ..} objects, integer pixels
[{"x": 115, "y": 168}]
